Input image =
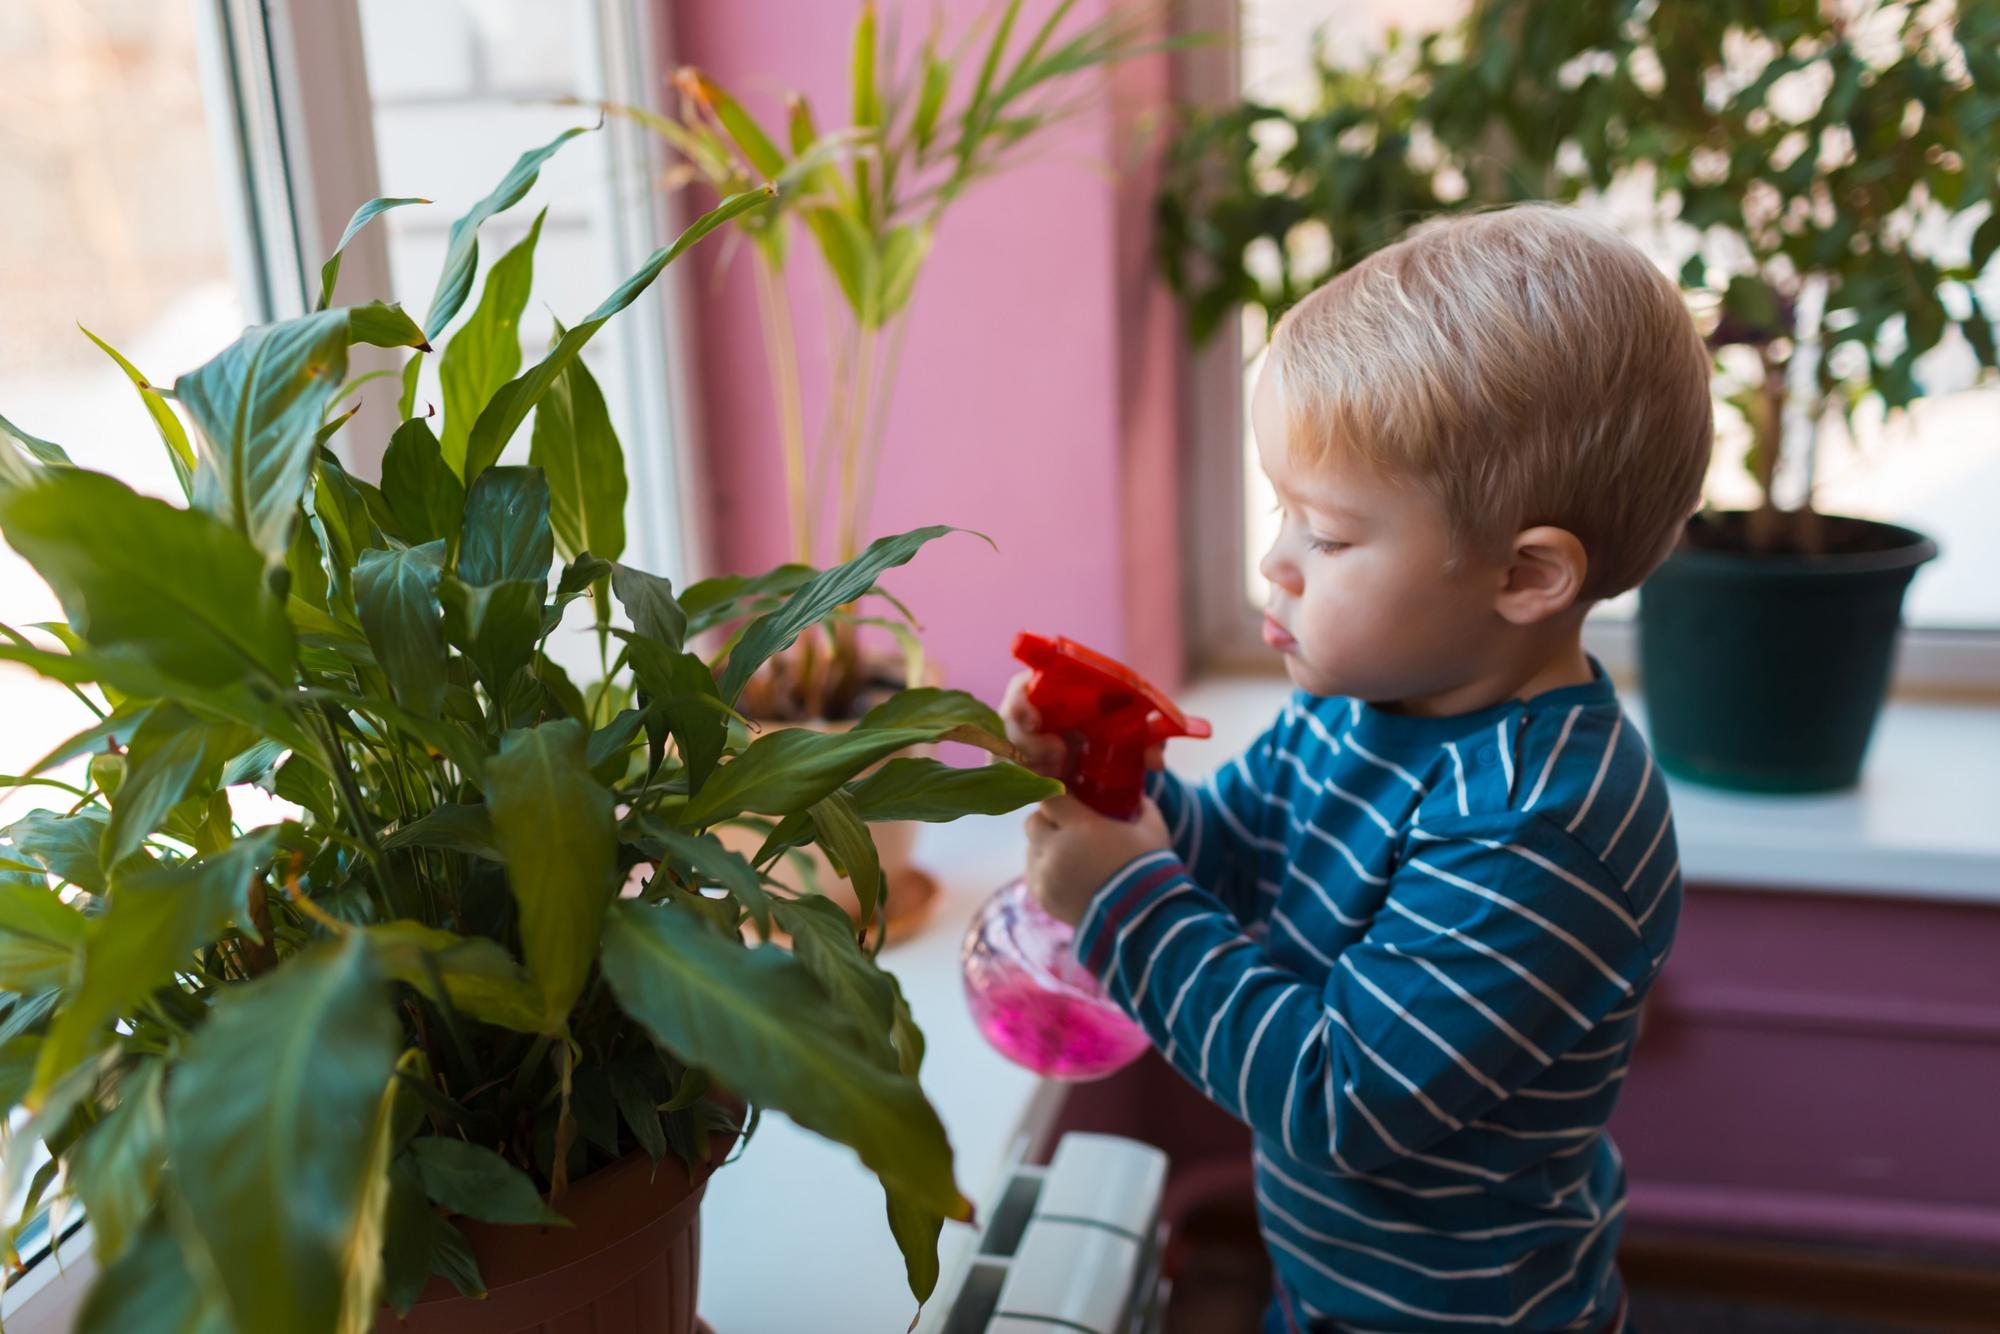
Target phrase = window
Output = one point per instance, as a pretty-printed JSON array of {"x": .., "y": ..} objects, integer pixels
[{"x": 1937, "y": 469}]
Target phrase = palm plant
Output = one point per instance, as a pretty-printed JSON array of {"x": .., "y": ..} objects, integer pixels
[
  {"x": 494, "y": 944},
  {"x": 870, "y": 198}
]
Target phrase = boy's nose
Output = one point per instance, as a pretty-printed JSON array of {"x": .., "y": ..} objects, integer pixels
[{"x": 1279, "y": 569}]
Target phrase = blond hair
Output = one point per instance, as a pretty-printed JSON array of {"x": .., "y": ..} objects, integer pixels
[{"x": 1526, "y": 366}]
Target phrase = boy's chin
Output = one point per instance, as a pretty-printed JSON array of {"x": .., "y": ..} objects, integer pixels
[{"x": 1311, "y": 679}]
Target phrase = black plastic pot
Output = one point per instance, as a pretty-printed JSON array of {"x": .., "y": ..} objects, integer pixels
[{"x": 1765, "y": 673}]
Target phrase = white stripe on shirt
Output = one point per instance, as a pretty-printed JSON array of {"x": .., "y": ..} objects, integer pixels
[
  {"x": 1529, "y": 914},
  {"x": 1610, "y": 747},
  {"x": 1550, "y": 763}
]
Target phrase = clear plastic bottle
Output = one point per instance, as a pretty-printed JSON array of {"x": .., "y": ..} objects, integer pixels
[{"x": 1034, "y": 1001}]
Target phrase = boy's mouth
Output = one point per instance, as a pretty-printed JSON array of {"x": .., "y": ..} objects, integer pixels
[{"x": 1278, "y": 637}]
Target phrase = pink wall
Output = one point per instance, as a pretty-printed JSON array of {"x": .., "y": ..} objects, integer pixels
[{"x": 1036, "y": 398}]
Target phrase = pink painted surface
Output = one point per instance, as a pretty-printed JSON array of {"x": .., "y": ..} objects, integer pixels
[{"x": 1036, "y": 401}]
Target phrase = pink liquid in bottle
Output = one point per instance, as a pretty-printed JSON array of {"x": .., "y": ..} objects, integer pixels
[{"x": 1033, "y": 1001}]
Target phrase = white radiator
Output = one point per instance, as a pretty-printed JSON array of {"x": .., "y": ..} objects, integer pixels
[{"x": 1071, "y": 1248}]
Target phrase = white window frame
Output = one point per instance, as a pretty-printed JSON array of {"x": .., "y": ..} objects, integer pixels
[{"x": 1224, "y": 630}]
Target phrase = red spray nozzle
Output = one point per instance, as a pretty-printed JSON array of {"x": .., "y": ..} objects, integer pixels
[{"x": 1117, "y": 714}]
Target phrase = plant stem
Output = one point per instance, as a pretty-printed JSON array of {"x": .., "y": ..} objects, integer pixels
[
  {"x": 852, "y": 431},
  {"x": 781, "y": 354},
  {"x": 336, "y": 762},
  {"x": 878, "y": 421},
  {"x": 1766, "y": 521}
]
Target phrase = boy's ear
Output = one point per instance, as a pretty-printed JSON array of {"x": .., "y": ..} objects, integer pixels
[{"x": 1546, "y": 567}]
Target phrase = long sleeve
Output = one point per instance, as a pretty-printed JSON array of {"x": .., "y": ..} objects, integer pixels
[
  {"x": 1500, "y": 945},
  {"x": 1220, "y": 825}
]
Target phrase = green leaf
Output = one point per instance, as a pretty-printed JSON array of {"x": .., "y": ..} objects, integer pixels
[
  {"x": 930, "y": 97},
  {"x": 758, "y": 150},
  {"x": 610, "y": 746},
  {"x": 649, "y": 601},
  {"x": 848, "y": 845},
  {"x": 480, "y": 978},
  {"x": 158, "y": 916},
  {"x": 343, "y": 527},
  {"x": 823, "y": 941},
  {"x": 40, "y": 938},
  {"x": 507, "y": 534},
  {"x": 554, "y": 825},
  {"x": 172, "y": 756},
  {"x": 903, "y": 253},
  {"x": 574, "y": 444},
  {"x": 916, "y": 1230},
  {"x": 511, "y": 405},
  {"x": 703, "y": 857},
  {"x": 724, "y": 598},
  {"x": 406, "y": 402},
  {"x": 38, "y": 449},
  {"x": 457, "y": 828},
  {"x": 681, "y": 693},
  {"x": 178, "y": 594},
  {"x": 486, "y": 351},
  {"x": 789, "y": 769},
  {"x": 172, "y": 434},
  {"x": 258, "y": 405},
  {"x": 496, "y": 625},
  {"x": 115, "y": 1167},
  {"x": 409, "y": 1242},
  {"x": 920, "y": 789},
  {"x": 396, "y": 593},
  {"x": 473, "y": 1180},
  {"x": 639, "y": 1111},
  {"x": 380, "y": 324},
  {"x": 454, "y": 1261},
  {"x": 17, "y": 1067},
  {"x": 329, "y": 272},
  {"x": 755, "y": 1020},
  {"x": 286, "y": 1173},
  {"x": 776, "y": 631},
  {"x": 461, "y": 258},
  {"x": 69, "y": 845},
  {"x": 928, "y": 706},
  {"x": 150, "y": 1290},
  {"x": 421, "y": 488}
]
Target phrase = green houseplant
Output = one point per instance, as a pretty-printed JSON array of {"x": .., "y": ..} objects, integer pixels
[
  {"x": 499, "y": 950},
  {"x": 1807, "y": 157}
]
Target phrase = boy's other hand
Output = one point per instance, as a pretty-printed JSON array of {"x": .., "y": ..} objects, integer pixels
[{"x": 1072, "y": 851}]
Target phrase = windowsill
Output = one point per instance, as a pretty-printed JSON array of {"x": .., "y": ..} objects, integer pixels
[{"x": 1921, "y": 825}]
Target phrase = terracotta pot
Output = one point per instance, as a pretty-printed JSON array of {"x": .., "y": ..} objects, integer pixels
[{"x": 629, "y": 1265}]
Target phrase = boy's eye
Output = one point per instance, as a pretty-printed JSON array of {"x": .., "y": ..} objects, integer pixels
[{"x": 1326, "y": 546}]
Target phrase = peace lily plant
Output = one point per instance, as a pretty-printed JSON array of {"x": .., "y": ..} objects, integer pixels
[{"x": 274, "y": 1064}]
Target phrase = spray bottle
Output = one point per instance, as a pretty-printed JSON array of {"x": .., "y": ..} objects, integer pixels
[{"x": 1030, "y": 997}]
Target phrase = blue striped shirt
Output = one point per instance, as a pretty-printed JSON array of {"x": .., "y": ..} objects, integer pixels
[{"x": 1409, "y": 953}]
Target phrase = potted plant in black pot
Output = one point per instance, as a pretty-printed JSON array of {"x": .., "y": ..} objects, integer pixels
[
  {"x": 1826, "y": 168},
  {"x": 483, "y": 1009}
]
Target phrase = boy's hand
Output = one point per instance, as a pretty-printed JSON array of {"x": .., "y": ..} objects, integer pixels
[
  {"x": 1047, "y": 753},
  {"x": 1072, "y": 851}
]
